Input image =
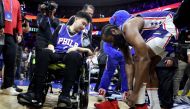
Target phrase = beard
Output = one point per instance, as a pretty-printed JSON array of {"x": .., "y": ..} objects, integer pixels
[{"x": 119, "y": 41}]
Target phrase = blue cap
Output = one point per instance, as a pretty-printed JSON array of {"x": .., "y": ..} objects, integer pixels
[{"x": 119, "y": 17}]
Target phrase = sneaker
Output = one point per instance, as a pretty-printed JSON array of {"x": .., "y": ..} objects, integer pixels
[
  {"x": 29, "y": 99},
  {"x": 74, "y": 96},
  {"x": 185, "y": 99},
  {"x": 17, "y": 88},
  {"x": 178, "y": 100},
  {"x": 124, "y": 96},
  {"x": 64, "y": 102},
  {"x": 101, "y": 95},
  {"x": 10, "y": 91}
]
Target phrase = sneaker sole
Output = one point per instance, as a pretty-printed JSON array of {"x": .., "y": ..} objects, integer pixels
[
  {"x": 21, "y": 100},
  {"x": 25, "y": 102},
  {"x": 63, "y": 105}
]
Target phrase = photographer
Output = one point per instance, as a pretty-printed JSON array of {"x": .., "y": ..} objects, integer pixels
[
  {"x": 183, "y": 64},
  {"x": 47, "y": 23},
  {"x": 181, "y": 21},
  {"x": 165, "y": 70}
]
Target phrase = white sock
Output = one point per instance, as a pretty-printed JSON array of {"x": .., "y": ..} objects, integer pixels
[
  {"x": 141, "y": 96},
  {"x": 153, "y": 97}
]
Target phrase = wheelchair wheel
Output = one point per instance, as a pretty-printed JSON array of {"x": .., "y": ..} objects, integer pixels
[
  {"x": 83, "y": 94},
  {"x": 83, "y": 100},
  {"x": 84, "y": 86}
]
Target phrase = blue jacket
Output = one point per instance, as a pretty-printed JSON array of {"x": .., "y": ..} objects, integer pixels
[{"x": 112, "y": 52}]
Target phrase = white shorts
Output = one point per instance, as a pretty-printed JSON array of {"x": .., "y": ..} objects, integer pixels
[{"x": 158, "y": 44}]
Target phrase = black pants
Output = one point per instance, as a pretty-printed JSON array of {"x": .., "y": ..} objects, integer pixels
[
  {"x": 165, "y": 89},
  {"x": 9, "y": 55},
  {"x": 44, "y": 57},
  {"x": 18, "y": 61}
]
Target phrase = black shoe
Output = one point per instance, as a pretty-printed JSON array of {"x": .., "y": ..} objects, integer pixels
[
  {"x": 29, "y": 99},
  {"x": 64, "y": 102},
  {"x": 17, "y": 88}
]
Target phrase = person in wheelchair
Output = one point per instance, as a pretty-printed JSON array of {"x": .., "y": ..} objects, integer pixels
[{"x": 66, "y": 47}]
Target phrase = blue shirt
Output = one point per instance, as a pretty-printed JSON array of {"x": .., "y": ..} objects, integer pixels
[{"x": 66, "y": 41}]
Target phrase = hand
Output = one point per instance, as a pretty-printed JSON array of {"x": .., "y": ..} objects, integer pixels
[
  {"x": 1, "y": 31},
  {"x": 130, "y": 92},
  {"x": 168, "y": 63},
  {"x": 72, "y": 49},
  {"x": 188, "y": 58},
  {"x": 126, "y": 95},
  {"x": 51, "y": 47},
  {"x": 131, "y": 99},
  {"x": 96, "y": 49},
  {"x": 42, "y": 6},
  {"x": 19, "y": 38}
]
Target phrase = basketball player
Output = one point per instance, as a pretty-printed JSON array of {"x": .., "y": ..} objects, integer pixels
[{"x": 149, "y": 34}]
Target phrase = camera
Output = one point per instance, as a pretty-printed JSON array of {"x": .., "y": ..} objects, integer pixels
[{"x": 48, "y": 6}]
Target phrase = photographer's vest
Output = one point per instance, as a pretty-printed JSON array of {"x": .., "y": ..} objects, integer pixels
[{"x": 66, "y": 41}]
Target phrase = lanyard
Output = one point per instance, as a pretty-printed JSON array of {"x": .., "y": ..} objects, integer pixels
[
  {"x": 49, "y": 22},
  {"x": 51, "y": 28},
  {"x": 10, "y": 6}
]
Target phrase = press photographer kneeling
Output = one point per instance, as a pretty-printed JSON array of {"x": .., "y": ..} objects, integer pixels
[
  {"x": 183, "y": 55},
  {"x": 182, "y": 22}
]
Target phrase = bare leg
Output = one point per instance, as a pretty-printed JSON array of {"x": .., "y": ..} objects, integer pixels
[{"x": 151, "y": 79}]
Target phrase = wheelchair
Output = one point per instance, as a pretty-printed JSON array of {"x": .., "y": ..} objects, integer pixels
[{"x": 56, "y": 72}]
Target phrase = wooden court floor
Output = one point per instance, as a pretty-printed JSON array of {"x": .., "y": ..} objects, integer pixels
[{"x": 10, "y": 102}]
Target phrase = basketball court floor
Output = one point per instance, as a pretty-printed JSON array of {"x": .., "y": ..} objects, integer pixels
[{"x": 10, "y": 102}]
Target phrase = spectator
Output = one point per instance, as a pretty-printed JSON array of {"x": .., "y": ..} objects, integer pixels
[
  {"x": 13, "y": 35},
  {"x": 165, "y": 70},
  {"x": 88, "y": 30}
]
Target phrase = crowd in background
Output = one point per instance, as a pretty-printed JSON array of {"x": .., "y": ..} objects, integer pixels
[{"x": 106, "y": 11}]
